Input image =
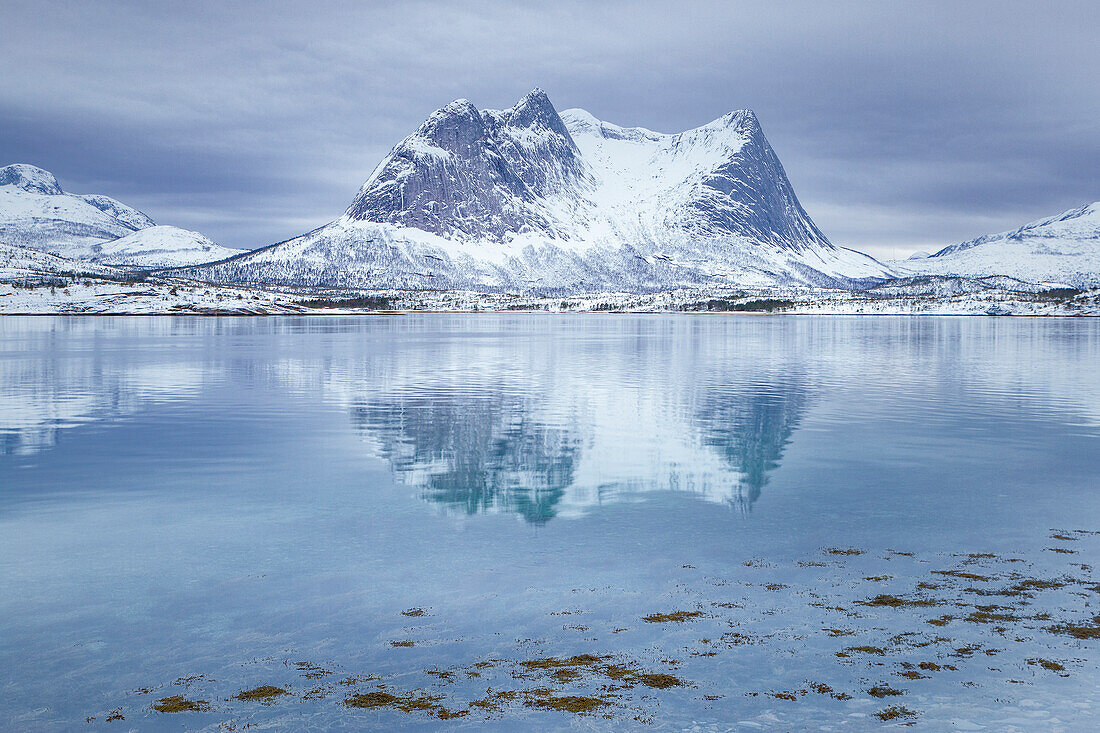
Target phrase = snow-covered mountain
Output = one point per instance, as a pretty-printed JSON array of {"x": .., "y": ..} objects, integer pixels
[
  {"x": 526, "y": 199},
  {"x": 1063, "y": 249},
  {"x": 36, "y": 212}
]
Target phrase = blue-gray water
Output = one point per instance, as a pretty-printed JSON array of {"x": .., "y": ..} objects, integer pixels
[{"x": 233, "y": 497}]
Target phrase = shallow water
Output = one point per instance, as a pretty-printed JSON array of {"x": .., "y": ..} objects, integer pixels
[{"x": 237, "y": 499}]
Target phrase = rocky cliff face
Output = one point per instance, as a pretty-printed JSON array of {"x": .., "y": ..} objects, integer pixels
[{"x": 475, "y": 174}]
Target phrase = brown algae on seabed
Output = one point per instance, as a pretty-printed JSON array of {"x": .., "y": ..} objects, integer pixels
[
  {"x": 1047, "y": 664},
  {"x": 1078, "y": 631},
  {"x": 843, "y": 551},
  {"x": 180, "y": 704},
  {"x": 568, "y": 703},
  {"x": 311, "y": 671},
  {"x": 661, "y": 681},
  {"x": 1030, "y": 620},
  {"x": 894, "y": 712},
  {"x": 370, "y": 700},
  {"x": 263, "y": 693},
  {"x": 894, "y": 602},
  {"x": 674, "y": 617},
  {"x": 881, "y": 691},
  {"x": 791, "y": 695},
  {"x": 410, "y": 702},
  {"x": 963, "y": 575},
  {"x": 626, "y": 674},
  {"x": 541, "y": 697}
]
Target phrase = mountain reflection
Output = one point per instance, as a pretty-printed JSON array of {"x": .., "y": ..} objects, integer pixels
[
  {"x": 751, "y": 430},
  {"x": 489, "y": 452},
  {"x": 473, "y": 453},
  {"x": 537, "y": 426},
  {"x": 539, "y": 418}
]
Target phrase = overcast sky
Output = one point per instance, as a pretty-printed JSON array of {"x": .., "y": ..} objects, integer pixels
[{"x": 902, "y": 126}]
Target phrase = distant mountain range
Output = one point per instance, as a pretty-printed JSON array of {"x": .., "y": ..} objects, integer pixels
[
  {"x": 527, "y": 200},
  {"x": 36, "y": 213}
]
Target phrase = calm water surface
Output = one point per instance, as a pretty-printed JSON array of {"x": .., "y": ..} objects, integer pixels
[{"x": 241, "y": 498}]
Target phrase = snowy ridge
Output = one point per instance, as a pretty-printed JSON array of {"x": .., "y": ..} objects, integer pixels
[
  {"x": 1063, "y": 249},
  {"x": 30, "y": 179},
  {"x": 526, "y": 200},
  {"x": 721, "y": 179}
]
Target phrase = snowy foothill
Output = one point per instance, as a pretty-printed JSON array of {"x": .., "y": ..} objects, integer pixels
[
  {"x": 161, "y": 246},
  {"x": 1063, "y": 249}
]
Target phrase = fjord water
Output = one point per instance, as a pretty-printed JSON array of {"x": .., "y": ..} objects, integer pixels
[{"x": 242, "y": 500}]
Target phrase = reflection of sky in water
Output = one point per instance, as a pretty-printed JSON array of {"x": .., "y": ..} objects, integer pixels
[{"x": 183, "y": 495}]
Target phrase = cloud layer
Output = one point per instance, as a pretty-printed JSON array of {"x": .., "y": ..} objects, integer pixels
[{"x": 901, "y": 126}]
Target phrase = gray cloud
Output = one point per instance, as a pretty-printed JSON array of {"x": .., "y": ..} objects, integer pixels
[{"x": 901, "y": 126}]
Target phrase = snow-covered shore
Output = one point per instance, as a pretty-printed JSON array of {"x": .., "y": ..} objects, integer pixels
[{"x": 86, "y": 294}]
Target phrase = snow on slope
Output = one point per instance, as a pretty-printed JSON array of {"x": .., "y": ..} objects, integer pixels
[
  {"x": 1062, "y": 249},
  {"x": 161, "y": 246},
  {"x": 526, "y": 200},
  {"x": 700, "y": 180},
  {"x": 35, "y": 212},
  {"x": 128, "y": 215}
]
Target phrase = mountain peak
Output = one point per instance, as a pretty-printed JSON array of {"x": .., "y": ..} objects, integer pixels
[
  {"x": 742, "y": 120},
  {"x": 460, "y": 110},
  {"x": 580, "y": 117},
  {"x": 30, "y": 178},
  {"x": 460, "y": 106},
  {"x": 535, "y": 96},
  {"x": 534, "y": 110},
  {"x": 536, "y": 99}
]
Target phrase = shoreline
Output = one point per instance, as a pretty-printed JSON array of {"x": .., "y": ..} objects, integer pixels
[
  {"x": 540, "y": 312},
  {"x": 872, "y": 633}
]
